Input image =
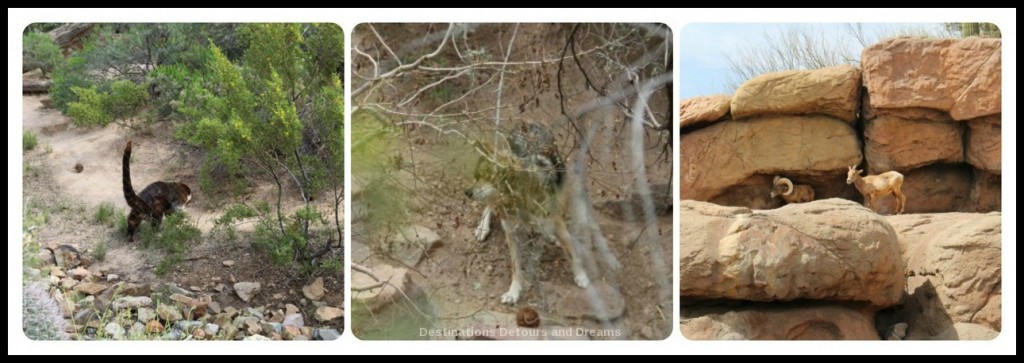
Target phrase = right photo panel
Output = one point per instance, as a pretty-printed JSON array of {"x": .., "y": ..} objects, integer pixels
[{"x": 840, "y": 181}]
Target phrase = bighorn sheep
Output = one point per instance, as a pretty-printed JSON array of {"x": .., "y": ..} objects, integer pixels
[
  {"x": 791, "y": 193},
  {"x": 874, "y": 186}
]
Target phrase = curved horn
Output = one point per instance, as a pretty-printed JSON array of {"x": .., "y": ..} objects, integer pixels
[{"x": 788, "y": 184}]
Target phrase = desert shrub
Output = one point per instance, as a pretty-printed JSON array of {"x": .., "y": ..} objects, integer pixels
[{"x": 39, "y": 52}]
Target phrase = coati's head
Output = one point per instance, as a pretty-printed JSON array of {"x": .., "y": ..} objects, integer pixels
[{"x": 184, "y": 194}]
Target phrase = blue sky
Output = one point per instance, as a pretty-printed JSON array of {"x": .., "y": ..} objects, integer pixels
[{"x": 705, "y": 48}]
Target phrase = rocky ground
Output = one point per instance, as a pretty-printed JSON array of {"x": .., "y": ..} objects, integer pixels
[{"x": 102, "y": 287}]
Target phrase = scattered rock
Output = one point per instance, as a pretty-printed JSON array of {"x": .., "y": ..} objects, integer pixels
[
  {"x": 132, "y": 302},
  {"x": 113, "y": 277},
  {"x": 831, "y": 249},
  {"x": 154, "y": 327},
  {"x": 228, "y": 263},
  {"x": 68, "y": 257},
  {"x": 137, "y": 331},
  {"x": 90, "y": 288},
  {"x": 326, "y": 334},
  {"x": 168, "y": 313},
  {"x": 378, "y": 297},
  {"x": 290, "y": 309},
  {"x": 79, "y": 273},
  {"x": 247, "y": 290},
  {"x": 290, "y": 332},
  {"x": 211, "y": 329},
  {"x": 293, "y": 320},
  {"x": 132, "y": 289},
  {"x": 410, "y": 244},
  {"x": 114, "y": 331},
  {"x": 215, "y": 307},
  {"x": 315, "y": 290},
  {"x": 145, "y": 315},
  {"x": 327, "y": 313},
  {"x": 271, "y": 328}
]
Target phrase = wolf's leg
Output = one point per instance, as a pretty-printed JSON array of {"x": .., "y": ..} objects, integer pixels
[
  {"x": 514, "y": 289},
  {"x": 483, "y": 230},
  {"x": 562, "y": 234}
]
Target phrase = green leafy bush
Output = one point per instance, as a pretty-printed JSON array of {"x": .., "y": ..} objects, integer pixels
[{"x": 40, "y": 52}]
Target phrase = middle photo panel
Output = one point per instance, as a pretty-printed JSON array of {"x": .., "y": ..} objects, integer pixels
[{"x": 511, "y": 181}]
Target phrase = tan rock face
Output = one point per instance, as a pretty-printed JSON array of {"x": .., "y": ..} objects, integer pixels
[
  {"x": 894, "y": 143},
  {"x": 954, "y": 260},
  {"x": 779, "y": 323},
  {"x": 986, "y": 193},
  {"x": 832, "y": 91},
  {"x": 985, "y": 143},
  {"x": 961, "y": 77},
  {"x": 727, "y": 153},
  {"x": 830, "y": 249},
  {"x": 703, "y": 109},
  {"x": 932, "y": 189}
]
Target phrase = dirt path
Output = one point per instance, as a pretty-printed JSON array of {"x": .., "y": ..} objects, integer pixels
[{"x": 66, "y": 201}]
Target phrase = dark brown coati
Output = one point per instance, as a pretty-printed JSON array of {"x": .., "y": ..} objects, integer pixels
[{"x": 154, "y": 202}]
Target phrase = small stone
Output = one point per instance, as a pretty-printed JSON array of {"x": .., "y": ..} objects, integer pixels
[
  {"x": 326, "y": 313},
  {"x": 137, "y": 330},
  {"x": 114, "y": 331},
  {"x": 219, "y": 288},
  {"x": 290, "y": 309},
  {"x": 326, "y": 334},
  {"x": 215, "y": 279},
  {"x": 252, "y": 326},
  {"x": 293, "y": 320},
  {"x": 173, "y": 335},
  {"x": 58, "y": 272},
  {"x": 145, "y": 315},
  {"x": 228, "y": 263},
  {"x": 277, "y": 316},
  {"x": 168, "y": 313},
  {"x": 315, "y": 290},
  {"x": 131, "y": 302},
  {"x": 154, "y": 327},
  {"x": 211, "y": 329},
  {"x": 254, "y": 312},
  {"x": 271, "y": 328},
  {"x": 198, "y": 334},
  {"x": 247, "y": 290},
  {"x": 79, "y": 273},
  {"x": 79, "y": 167},
  {"x": 306, "y": 331},
  {"x": 66, "y": 256},
  {"x": 87, "y": 302},
  {"x": 231, "y": 311},
  {"x": 68, "y": 283},
  {"x": 195, "y": 288},
  {"x": 278, "y": 296},
  {"x": 113, "y": 277},
  {"x": 215, "y": 307},
  {"x": 90, "y": 288},
  {"x": 181, "y": 298},
  {"x": 299, "y": 338},
  {"x": 187, "y": 325},
  {"x": 132, "y": 289},
  {"x": 290, "y": 332}
]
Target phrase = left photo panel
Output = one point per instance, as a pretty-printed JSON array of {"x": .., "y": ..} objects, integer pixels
[{"x": 183, "y": 181}]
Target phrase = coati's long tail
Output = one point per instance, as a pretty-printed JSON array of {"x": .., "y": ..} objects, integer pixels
[{"x": 126, "y": 176}]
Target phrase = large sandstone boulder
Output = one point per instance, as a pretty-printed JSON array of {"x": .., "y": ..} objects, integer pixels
[
  {"x": 831, "y": 249},
  {"x": 895, "y": 143},
  {"x": 985, "y": 143},
  {"x": 779, "y": 322},
  {"x": 832, "y": 91},
  {"x": 932, "y": 189},
  {"x": 961, "y": 77},
  {"x": 727, "y": 153},
  {"x": 955, "y": 269},
  {"x": 703, "y": 109}
]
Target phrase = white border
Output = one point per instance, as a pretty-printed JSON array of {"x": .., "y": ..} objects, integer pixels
[{"x": 348, "y": 18}]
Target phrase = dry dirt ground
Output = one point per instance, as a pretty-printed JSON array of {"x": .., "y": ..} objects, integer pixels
[
  {"x": 70, "y": 199},
  {"x": 456, "y": 288}
]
